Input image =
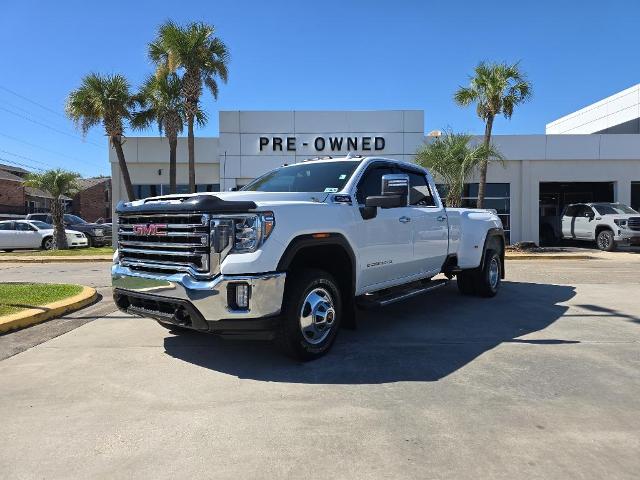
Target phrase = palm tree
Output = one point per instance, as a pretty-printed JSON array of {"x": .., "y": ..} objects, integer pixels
[
  {"x": 495, "y": 88},
  {"x": 202, "y": 58},
  {"x": 161, "y": 101},
  {"x": 59, "y": 183},
  {"x": 453, "y": 160},
  {"x": 104, "y": 99}
]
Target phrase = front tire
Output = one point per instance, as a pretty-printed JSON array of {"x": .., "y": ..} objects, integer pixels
[
  {"x": 312, "y": 313},
  {"x": 605, "y": 241},
  {"x": 47, "y": 243}
]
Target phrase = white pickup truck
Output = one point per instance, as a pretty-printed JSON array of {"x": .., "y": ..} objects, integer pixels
[{"x": 294, "y": 254}]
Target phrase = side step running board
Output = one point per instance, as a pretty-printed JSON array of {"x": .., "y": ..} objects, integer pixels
[{"x": 382, "y": 300}]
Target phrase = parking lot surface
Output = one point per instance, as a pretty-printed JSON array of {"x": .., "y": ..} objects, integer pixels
[{"x": 542, "y": 381}]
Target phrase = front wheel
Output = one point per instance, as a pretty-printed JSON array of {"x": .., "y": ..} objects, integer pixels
[
  {"x": 605, "y": 241},
  {"x": 47, "y": 244},
  {"x": 312, "y": 313}
]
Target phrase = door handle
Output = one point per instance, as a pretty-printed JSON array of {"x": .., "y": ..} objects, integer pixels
[
  {"x": 441, "y": 218},
  {"x": 404, "y": 219}
]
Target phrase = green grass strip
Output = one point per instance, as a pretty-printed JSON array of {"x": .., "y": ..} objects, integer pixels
[{"x": 15, "y": 297}]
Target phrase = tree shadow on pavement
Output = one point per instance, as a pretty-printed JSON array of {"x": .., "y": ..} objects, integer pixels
[{"x": 423, "y": 339}]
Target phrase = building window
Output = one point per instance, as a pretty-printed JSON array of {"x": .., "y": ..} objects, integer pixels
[
  {"x": 497, "y": 197},
  {"x": 635, "y": 196},
  {"x": 145, "y": 191}
]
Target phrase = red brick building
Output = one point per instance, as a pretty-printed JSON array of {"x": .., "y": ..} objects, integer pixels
[
  {"x": 12, "y": 194},
  {"x": 93, "y": 201}
]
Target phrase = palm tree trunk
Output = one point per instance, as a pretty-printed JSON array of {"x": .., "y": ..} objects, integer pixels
[
  {"x": 173, "y": 147},
  {"x": 483, "y": 165},
  {"x": 57, "y": 217},
  {"x": 192, "y": 156},
  {"x": 117, "y": 144}
]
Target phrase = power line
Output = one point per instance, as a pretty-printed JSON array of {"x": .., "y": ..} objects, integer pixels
[
  {"x": 27, "y": 111},
  {"x": 20, "y": 164},
  {"x": 41, "y": 147},
  {"x": 32, "y": 101},
  {"x": 50, "y": 127},
  {"x": 74, "y": 159},
  {"x": 24, "y": 157}
]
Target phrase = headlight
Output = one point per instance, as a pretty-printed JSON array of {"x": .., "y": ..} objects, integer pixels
[
  {"x": 242, "y": 233},
  {"x": 621, "y": 223},
  {"x": 98, "y": 232}
]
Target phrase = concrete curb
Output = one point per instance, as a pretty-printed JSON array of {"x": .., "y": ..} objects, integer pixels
[
  {"x": 46, "y": 312},
  {"x": 546, "y": 256},
  {"x": 52, "y": 259}
]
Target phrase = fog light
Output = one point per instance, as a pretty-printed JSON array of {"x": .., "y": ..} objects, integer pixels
[{"x": 242, "y": 295}]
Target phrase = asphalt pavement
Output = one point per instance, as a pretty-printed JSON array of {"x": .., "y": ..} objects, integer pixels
[{"x": 542, "y": 381}]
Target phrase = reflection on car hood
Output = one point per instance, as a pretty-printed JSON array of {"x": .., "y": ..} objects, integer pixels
[{"x": 621, "y": 216}]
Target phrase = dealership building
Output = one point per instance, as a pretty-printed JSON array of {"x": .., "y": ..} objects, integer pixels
[{"x": 590, "y": 155}]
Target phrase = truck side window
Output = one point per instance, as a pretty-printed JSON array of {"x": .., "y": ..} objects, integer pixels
[
  {"x": 571, "y": 211},
  {"x": 419, "y": 191},
  {"x": 371, "y": 182}
]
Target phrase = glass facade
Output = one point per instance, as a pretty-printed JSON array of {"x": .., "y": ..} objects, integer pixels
[{"x": 635, "y": 196}]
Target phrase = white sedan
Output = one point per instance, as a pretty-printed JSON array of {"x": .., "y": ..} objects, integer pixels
[{"x": 31, "y": 234}]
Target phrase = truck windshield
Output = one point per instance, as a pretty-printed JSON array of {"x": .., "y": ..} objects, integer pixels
[
  {"x": 613, "y": 209},
  {"x": 305, "y": 177}
]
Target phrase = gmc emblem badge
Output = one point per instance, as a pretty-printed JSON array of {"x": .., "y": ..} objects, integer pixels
[{"x": 158, "y": 229}]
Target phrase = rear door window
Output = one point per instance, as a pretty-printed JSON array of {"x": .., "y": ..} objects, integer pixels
[
  {"x": 419, "y": 192},
  {"x": 571, "y": 211}
]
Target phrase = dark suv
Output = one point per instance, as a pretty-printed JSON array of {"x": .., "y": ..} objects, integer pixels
[{"x": 97, "y": 234}]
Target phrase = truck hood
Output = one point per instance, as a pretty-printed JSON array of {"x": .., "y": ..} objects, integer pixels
[{"x": 262, "y": 199}]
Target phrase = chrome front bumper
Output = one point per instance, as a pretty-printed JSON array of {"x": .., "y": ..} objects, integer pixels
[{"x": 208, "y": 297}]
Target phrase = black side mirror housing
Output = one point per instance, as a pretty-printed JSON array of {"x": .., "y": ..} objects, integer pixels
[
  {"x": 395, "y": 192},
  {"x": 386, "y": 201}
]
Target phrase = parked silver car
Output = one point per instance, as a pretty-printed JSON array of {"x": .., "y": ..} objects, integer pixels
[{"x": 32, "y": 234}]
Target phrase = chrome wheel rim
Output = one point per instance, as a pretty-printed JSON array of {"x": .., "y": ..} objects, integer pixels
[
  {"x": 603, "y": 241},
  {"x": 317, "y": 315},
  {"x": 494, "y": 273}
]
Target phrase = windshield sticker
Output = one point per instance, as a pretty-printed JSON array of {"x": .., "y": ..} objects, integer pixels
[
  {"x": 330, "y": 190},
  {"x": 342, "y": 177}
]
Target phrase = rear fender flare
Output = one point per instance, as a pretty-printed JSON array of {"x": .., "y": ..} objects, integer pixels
[{"x": 495, "y": 241}]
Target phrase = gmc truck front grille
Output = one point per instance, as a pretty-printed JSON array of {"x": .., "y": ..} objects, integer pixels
[
  {"x": 166, "y": 243},
  {"x": 634, "y": 223}
]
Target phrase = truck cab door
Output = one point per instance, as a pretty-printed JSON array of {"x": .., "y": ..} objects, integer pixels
[
  {"x": 430, "y": 226},
  {"x": 568, "y": 221},
  {"x": 385, "y": 241},
  {"x": 583, "y": 223}
]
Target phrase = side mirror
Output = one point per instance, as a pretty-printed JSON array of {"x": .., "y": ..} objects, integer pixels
[
  {"x": 232, "y": 189},
  {"x": 589, "y": 215},
  {"x": 395, "y": 192}
]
